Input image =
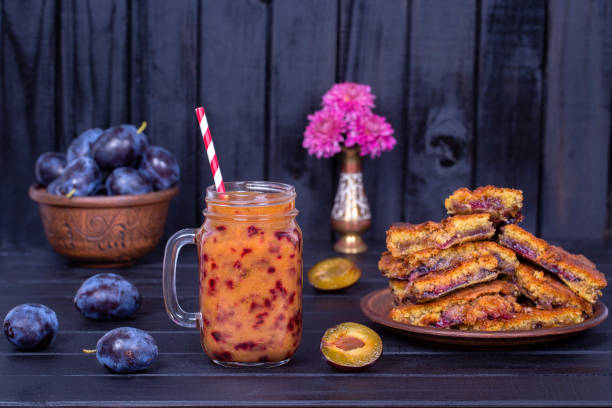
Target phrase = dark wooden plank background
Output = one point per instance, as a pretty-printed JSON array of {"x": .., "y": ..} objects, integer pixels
[{"x": 478, "y": 91}]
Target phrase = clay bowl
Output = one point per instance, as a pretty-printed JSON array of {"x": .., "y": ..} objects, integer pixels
[{"x": 103, "y": 231}]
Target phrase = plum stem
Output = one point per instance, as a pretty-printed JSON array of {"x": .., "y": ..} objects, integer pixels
[
  {"x": 88, "y": 351},
  {"x": 71, "y": 193},
  {"x": 142, "y": 127}
]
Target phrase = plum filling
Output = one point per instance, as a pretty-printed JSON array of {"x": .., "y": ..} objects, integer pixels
[
  {"x": 452, "y": 316},
  {"x": 487, "y": 203},
  {"x": 475, "y": 233},
  {"x": 518, "y": 248},
  {"x": 563, "y": 274},
  {"x": 418, "y": 272},
  {"x": 504, "y": 267},
  {"x": 458, "y": 314},
  {"x": 482, "y": 274},
  {"x": 513, "y": 218}
]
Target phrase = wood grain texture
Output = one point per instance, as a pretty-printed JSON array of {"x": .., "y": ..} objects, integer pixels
[
  {"x": 303, "y": 67},
  {"x": 233, "y": 54},
  {"x": 478, "y": 92},
  {"x": 314, "y": 390},
  {"x": 378, "y": 55},
  {"x": 510, "y": 78},
  {"x": 572, "y": 372},
  {"x": 28, "y": 125},
  {"x": 577, "y": 131},
  {"x": 164, "y": 92},
  {"x": 440, "y": 105},
  {"x": 94, "y": 78}
]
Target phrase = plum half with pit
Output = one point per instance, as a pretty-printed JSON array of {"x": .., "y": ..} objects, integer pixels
[
  {"x": 119, "y": 146},
  {"x": 49, "y": 166},
  {"x": 81, "y": 175},
  {"x": 126, "y": 180},
  {"x": 333, "y": 274},
  {"x": 160, "y": 167},
  {"x": 351, "y": 346},
  {"x": 81, "y": 146}
]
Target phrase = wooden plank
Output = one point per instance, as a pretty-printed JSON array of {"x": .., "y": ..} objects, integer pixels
[
  {"x": 377, "y": 56},
  {"x": 511, "y": 57},
  {"x": 187, "y": 342},
  {"x": 164, "y": 92},
  {"x": 242, "y": 388},
  {"x": 307, "y": 362},
  {"x": 572, "y": 372},
  {"x": 577, "y": 130},
  {"x": 152, "y": 315},
  {"x": 28, "y": 127},
  {"x": 345, "y": 30},
  {"x": 608, "y": 75},
  {"x": 93, "y": 85},
  {"x": 441, "y": 105},
  {"x": 302, "y": 69},
  {"x": 233, "y": 87}
]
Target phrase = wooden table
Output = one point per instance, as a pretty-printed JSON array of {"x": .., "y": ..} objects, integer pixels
[{"x": 571, "y": 372}]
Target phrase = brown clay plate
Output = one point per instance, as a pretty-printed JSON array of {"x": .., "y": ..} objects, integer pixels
[{"x": 376, "y": 306}]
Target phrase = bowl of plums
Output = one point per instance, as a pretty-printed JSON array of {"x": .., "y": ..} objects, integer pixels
[{"x": 104, "y": 202}]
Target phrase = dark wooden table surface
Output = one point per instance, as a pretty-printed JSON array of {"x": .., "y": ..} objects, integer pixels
[{"x": 571, "y": 372}]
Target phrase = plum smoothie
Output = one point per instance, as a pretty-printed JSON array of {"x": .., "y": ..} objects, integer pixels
[{"x": 250, "y": 250}]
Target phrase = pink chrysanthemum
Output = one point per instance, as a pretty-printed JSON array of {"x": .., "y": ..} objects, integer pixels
[
  {"x": 323, "y": 134},
  {"x": 373, "y": 133},
  {"x": 349, "y": 98}
]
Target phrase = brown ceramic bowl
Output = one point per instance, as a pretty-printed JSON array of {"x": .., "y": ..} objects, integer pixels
[{"x": 101, "y": 231}]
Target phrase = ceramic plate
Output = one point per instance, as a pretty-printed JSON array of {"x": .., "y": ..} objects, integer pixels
[{"x": 376, "y": 306}]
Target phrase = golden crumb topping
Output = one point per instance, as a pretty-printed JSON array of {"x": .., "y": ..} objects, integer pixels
[
  {"x": 503, "y": 204},
  {"x": 404, "y": 239}
]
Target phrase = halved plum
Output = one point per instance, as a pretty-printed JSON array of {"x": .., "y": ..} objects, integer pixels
[
  {"x": 333, "y": 274},
  {"x": 351, "y": 346}
]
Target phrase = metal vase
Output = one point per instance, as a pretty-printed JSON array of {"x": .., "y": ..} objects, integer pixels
[{"x": 351, "y": 214}]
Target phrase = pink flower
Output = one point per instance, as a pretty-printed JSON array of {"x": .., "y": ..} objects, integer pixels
[
  {"x": 347, "y": 112},
  {"x": 372, "y": 132},
  {"x": 323, "y": 134},
  {"x": 349, "y": 98}
]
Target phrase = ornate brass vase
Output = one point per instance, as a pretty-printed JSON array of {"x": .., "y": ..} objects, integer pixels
[{"x": 351, "y": 212}]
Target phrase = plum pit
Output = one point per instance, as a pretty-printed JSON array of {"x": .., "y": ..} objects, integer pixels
[{"x": 351, "y": 346}]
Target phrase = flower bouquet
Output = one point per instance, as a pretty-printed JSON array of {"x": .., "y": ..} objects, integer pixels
[{"x": 347, "y": 124}]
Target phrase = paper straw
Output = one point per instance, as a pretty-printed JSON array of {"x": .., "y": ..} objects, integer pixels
[{"x": 210, "y": 150}]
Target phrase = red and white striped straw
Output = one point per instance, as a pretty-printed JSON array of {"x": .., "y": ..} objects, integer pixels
[{"x": 210, "y": 150}]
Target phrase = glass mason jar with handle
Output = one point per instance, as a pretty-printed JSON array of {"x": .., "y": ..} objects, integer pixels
[{"x": 250, "y": 266}]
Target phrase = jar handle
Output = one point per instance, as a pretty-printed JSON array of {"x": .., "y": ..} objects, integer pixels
[{"x": 174, "y": 309}]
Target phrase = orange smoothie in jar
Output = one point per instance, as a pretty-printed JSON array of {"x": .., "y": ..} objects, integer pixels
[{"x": 250, "y": 250}]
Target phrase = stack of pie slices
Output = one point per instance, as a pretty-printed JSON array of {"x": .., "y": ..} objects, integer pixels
[{"x": 478, "y": 270}]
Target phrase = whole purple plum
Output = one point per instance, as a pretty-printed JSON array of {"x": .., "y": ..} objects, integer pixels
[
  {"x": 49, "y": 167},
  {"x": 160, "y": 167},
  {"x": 107, "y": 296},
  {"x": 81, "y": 146},
  {"x": 82, "y": 174},
  {"x": 126, "y": 180},
  {"x": 119, "y": 146},
  {"x": 30, "y": 326}
]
